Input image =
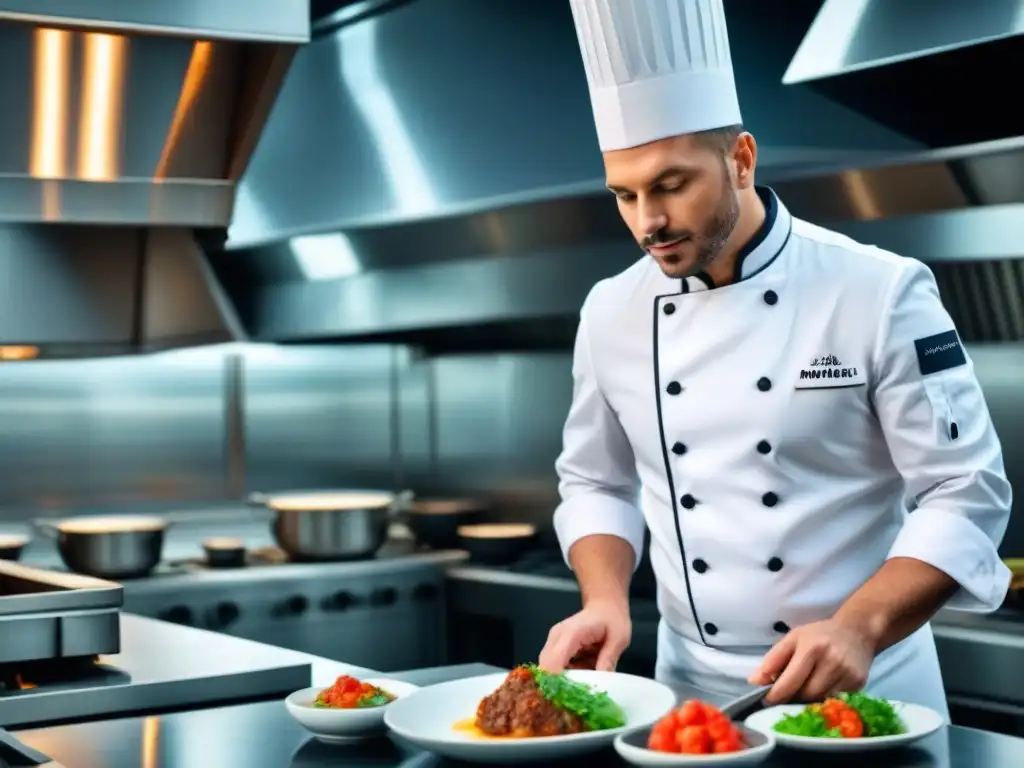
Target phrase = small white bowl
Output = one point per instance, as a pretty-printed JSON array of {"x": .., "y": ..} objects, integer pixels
[
  {"x": 632, "y": 747},
  {"x": 342, "y": 726}
]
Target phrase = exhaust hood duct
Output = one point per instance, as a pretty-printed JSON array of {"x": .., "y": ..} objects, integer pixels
[
  {"x": 417, "y": 110},
  {"x": 925, "y": 70},
  {"x": 515, "y": 277},
  {"x": 134, "y": 123}
]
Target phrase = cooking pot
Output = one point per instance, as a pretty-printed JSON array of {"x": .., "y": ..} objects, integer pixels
[
  {"x": 333, "y": 525},
  {"x": 222, "y": 552},
  {"x": 496, "y": 543},
  {"x": 11, "y": 545},
  {"x": 435, "y": 522},
  {"x": 109, "y": 547}
]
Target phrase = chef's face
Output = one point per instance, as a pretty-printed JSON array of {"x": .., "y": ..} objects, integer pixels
[{"x": 680, "y": 197}]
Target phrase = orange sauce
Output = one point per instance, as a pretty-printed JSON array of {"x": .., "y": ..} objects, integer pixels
[{"x": 468, "y": 727}]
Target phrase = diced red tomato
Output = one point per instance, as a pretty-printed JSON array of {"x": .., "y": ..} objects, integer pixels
[
  {"x": 731, "y": 743},
  {"x": 346, "y": 693},
  {"x": 694, "y": 740},
  {"x": 695, "y": 728},
  {"x": 691, "y": 713},
  {"x": 663, "y": 741},
  {"x": 839, "y": 714}
]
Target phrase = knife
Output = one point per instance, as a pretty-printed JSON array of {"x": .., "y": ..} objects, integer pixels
[
  {"x": 747, "y": 704},
  {"x": 10, "y": 747}
]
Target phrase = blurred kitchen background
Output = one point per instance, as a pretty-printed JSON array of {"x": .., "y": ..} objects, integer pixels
[
  {"x": 362, "y": 264},
  {"x": 415, "y": 233}
]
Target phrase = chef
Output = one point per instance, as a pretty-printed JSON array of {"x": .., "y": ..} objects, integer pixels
[{"x": 790, "y": 413}]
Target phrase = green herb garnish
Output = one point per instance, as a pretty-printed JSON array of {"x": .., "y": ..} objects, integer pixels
[
  {"x": 596, "y": 709},
  {"x": 809, "y": 722},
  {"x": 878, "y": 715},
  {"x": 378, "y": 699}
]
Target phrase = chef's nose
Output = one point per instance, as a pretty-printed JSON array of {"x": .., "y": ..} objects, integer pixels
[{"x": 652, "y": 217}]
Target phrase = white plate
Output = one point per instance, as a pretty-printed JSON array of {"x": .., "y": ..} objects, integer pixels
[
  {"x": 342, "y": 726},
  {"x": 427, "y": 718},
  {"x": 919, "y": 722},
  {"x": 632, "y": 747}
]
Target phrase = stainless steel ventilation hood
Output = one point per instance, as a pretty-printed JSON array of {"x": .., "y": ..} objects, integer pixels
[
  {"x": 127, "y": 128},
  {"x": 415, "y": 110},
  {"x": 517, "y": 227},
  {"x": 516, "y": 276},
  {"x": 927, "y": 70}
]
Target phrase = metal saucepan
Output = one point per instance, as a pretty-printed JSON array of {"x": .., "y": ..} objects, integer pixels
[
  {"x": 333, "y": 525},
  {"x": 496, "y": 543},
  {"x": 436, "y": 522},
  {"x": 109, "y": 547},
  {"x": 11, "y": 545}
]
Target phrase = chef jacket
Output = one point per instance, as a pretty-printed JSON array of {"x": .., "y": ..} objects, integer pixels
[{"x": 782, "y": 435}]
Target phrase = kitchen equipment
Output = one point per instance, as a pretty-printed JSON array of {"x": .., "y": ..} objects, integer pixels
[
  {"x": 496, "y": 543},
  {"x": 333, "y": 525},
  {"x": 383, "y": 613},
  {"x": 224, "y": 552},
  {"x": 435, "y": 522},
  {"x": 122, "y": 547},
  {"x": 11, "y": 545},
  {"x": 46, "y": 615}
]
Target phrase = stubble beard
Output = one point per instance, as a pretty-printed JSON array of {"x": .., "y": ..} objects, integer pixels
[{"x": 713, "y": 238}]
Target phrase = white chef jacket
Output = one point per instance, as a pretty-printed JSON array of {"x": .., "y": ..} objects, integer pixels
[{"x": 783, "y": 436}]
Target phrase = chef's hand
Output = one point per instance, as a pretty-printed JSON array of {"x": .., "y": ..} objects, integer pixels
[
  {"x": 816, "y": 660},
  {"x": 601, "y": 624}
]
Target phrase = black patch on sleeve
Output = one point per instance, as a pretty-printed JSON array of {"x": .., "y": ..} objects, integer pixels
[{"x": 939, "y": 352}]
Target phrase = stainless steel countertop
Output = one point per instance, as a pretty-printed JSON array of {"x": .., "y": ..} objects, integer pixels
[
  {"x": 166, "y": 666},
  {"x": 263, "y": 735}
]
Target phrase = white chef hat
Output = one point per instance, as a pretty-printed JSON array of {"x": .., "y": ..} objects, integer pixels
[{"x": 656, "y": 68}]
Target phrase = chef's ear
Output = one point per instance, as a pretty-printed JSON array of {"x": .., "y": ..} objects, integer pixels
[{"x": 744, "y": 160}]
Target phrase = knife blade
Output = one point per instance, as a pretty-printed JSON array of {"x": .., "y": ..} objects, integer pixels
[{"x": 741, "y": 708}]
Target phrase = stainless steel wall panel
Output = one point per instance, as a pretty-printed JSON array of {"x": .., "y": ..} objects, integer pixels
[
  {"x": 499, "y": 429},
  {"x": 123, "y": 431},
  {"x": 109, "y": 432},
  {"x": 318, "y": 417}
]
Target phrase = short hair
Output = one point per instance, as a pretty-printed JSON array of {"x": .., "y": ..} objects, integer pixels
[{"x": 721, "y": 140}]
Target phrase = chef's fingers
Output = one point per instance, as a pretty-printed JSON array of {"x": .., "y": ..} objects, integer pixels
[
  {"x": 556, "y": 651},
  {"x": 775, "y": 660},
  {"x": 615, "y": 642},
  {"x": 823, "y": 682},
  {"x": 563, "y": 642},
  {"x": 800, "y": 667}
]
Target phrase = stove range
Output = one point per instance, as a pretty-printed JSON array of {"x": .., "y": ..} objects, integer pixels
[{"x": 384, "y": 613}]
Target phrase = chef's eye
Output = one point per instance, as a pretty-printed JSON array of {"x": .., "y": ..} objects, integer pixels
[{"x": 668, "y": 189}]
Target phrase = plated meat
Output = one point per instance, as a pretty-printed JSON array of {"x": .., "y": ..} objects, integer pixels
[{"x": 517, "y": 709}]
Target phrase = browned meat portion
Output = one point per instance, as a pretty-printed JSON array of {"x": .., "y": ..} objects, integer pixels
[{"x": 517, "y": 709}]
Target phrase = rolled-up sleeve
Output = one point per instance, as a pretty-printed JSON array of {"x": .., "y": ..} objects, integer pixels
[
  {"x": 597, "y": 475},
  {"x": 942, "y": 441}
]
